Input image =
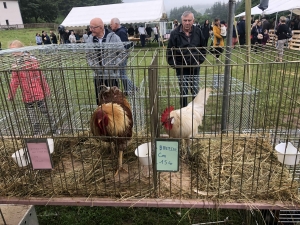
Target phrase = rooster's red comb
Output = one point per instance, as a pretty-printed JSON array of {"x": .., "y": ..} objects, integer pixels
[{"x": 166, "y": 113}]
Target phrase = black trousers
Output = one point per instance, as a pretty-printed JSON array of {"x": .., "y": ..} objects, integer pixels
[
  {"x": 99, "y": 81},
  {"x": 143, "y": 39},
  {"x": 242, "y": 39},
  {"x": 218, "y": 51}
]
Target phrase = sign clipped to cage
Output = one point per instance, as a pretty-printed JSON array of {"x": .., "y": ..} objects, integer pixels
[
  {"x": 167, "y": 155},
  {"x": 39, "y": 153}
]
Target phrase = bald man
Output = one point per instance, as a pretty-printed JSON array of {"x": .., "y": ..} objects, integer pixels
[{"x": 104, "y": 61}]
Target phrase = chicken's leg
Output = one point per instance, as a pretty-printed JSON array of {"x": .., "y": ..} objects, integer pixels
[
  {"x": 120, "y": 164},
  {"x": 188, "y": 149}
]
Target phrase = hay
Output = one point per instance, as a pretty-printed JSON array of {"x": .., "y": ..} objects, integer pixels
[{"x": 240, "y": 169}]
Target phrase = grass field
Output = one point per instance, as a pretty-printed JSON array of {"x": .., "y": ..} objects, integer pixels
[
  {"x": 27, "y": 36},
  {"x": 66, "y": 215}
]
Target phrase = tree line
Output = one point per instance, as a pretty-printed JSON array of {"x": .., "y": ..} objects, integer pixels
[
  {"x": 48, "y": 11},
  {"x": 218, "y": 10}
]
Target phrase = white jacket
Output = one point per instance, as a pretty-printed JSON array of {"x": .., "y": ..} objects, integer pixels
[{"x": 72, "y": 38}]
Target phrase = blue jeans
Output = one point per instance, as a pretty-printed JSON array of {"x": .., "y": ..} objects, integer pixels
[
  {"x": 188, "y": 78},
  {"x": 128, "y": 85}
]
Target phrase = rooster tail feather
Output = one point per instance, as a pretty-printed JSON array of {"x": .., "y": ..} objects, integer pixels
[
  {"x": 201, "y": 97},
  {"x": 166, "y": 113}
]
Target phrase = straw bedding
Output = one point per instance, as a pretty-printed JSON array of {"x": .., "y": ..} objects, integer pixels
[{"x": 230, "y": 169}]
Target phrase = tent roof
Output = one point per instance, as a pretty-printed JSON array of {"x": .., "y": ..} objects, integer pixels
[
  {"x": 134, "y": 12},
  {"x": 276, "y": 6}
]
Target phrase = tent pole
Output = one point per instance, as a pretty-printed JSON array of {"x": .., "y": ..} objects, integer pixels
[
  {"x": 248, "y": 40},
  {"x": 227, "y": 70},
  {"x": 275, "y": 24}
]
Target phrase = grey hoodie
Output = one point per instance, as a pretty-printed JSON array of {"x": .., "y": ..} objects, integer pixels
[{"x": 106, "y": 58}]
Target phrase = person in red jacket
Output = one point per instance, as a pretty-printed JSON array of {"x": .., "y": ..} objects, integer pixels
[{"x": 34, "y": 87}]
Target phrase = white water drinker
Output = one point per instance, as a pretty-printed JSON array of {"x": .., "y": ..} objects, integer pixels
[
  {"x": 287, "y": 154},
  {"x": 51, "y": 145},
  {"x": 144, "y": 153},
  {"x": 21, "y": 157}
]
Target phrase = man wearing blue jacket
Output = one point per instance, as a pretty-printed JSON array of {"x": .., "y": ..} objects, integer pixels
[{"x": 121, "y": 31}]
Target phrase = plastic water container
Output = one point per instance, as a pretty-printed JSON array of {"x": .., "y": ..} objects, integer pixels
[
  {"x": 21, "y": 157},
  {"x": 51, "y": 145},
  {"x": 144, "y": 153},
  {"x": 288, "y": 153}
]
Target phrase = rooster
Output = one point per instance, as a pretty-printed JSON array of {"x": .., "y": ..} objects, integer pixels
[
  {"x": 113, "y": 119},
  {"x": 184, "y": 122}
]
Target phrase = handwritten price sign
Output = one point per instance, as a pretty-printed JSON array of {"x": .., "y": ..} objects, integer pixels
[
  {"x": 39, "y": 153},
  {"x": 167, "y": 155}
]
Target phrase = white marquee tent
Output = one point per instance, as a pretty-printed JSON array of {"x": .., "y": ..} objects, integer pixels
[
  {"x": 135, "y": 12},
  {"x": 277, "y": 6}
]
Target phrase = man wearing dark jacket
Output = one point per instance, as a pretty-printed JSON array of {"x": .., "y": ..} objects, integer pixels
[
  {"x": 183, "y": 51},
  {"x": 265, "y": 24},
  {"x": 148, "y": 30},
  {"x": 241, "y": 27},
  {"x": 130, "y": 31},
  {"x": 206, "y": 28},
  {"x": 122, "y": 33}
]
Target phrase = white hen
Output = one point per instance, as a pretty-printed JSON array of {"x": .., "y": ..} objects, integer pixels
[{"x": 184, "y": 122}]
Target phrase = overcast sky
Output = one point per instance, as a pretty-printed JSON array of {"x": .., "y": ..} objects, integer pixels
[{"x": 170, "y": 4}]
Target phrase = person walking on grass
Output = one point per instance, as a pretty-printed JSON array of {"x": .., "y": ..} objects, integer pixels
[
  {"x": 184, "y": 54},
  {"x": 281, "y": 32}
]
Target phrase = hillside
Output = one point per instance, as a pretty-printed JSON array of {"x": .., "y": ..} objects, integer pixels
[{"x": 202, "y": 7}]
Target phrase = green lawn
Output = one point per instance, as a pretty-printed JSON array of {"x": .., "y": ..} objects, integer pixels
[
  {"x": 27, "y": 36},
  {"x": 66, "y": 215}
]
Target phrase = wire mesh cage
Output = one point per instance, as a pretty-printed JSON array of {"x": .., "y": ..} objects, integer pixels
[
  {"x": 236, "y": 164},
  {"x": 241, "y": 97},
  {"x": 69, "y": 71}
]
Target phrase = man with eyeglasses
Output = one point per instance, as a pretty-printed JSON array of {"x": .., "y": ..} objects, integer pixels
[
  {"x": 184, "y": 55},
  {"x": 105, "y": 58}
]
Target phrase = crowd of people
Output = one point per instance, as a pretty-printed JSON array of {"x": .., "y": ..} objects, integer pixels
[
  {"x": 72, "y": 36},
  {"x": 45, "y": 39},
  {"x": 217, "y": 33}
]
